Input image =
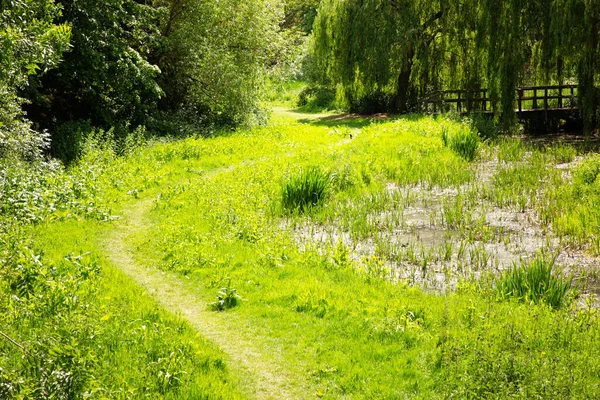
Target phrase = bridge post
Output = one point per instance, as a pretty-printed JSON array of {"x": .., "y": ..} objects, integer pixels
[
  {"x": 572, "y": 96},
  {"x": 484, "y": 100},
  {"x": 546, "y": 106},
  {"x": 560, "y": 96}
]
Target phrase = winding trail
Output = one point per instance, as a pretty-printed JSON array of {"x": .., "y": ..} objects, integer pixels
[{"x": 261, "y": 372}]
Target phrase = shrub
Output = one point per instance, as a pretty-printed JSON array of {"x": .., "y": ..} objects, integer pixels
[
  {"x": 226, "y": 299},
  {"x": 372, "y": 103},
  {"x": 486, "y": 127},
  {"x": 464, "y": 143},
  {"x": 306, "y": 190},
  {"x": 68, "y": 140},
  {"x": 18, "y": 141},
  {"x": 317, "y": 97},
  {"x": 535, "y": 283}
]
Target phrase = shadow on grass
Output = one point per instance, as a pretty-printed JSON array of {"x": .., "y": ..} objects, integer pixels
[
  {"x": 354, "y": 120},
  {"x": 581, "y": 142}
]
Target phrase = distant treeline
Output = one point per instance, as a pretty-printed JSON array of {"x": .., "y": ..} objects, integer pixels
[{"x": 392, "y": 52}]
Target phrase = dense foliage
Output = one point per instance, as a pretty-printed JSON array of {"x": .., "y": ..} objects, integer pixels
[
  {"x": 214, "y": 57},
  {"x": 29, "y": 42},
  {"x": 106, "y": 76},
  {"x": 117, "y": 63}
]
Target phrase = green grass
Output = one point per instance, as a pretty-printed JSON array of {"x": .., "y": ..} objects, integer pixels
[
  {"x": 86, "y": 328},
  {"x": 465, "y": 143},
  {"x": 295, "y": 285}
]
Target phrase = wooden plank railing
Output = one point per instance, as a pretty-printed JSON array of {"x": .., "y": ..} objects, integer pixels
[{"x": 529, "y": 98}]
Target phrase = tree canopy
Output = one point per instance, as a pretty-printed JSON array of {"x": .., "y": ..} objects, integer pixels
[{"x": 161, "y": 63}]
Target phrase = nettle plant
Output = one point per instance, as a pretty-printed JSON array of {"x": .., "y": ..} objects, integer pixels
[{"x": 227, "y": 298}]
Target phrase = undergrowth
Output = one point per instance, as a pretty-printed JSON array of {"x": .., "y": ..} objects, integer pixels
[{"x": 464, "y": 142}]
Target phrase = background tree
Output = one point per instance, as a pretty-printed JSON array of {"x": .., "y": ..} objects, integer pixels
[
  {"x": 300, "y": 14},
  {"x": 579, "y": 22},
  {"x": 215, "y": 57},
  {"x": 106, "y": 77},
  {"x": 375, "y": 46},
  {"x": 407, "y": 48}
]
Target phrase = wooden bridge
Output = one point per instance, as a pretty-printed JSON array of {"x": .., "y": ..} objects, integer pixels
[{"x": 533, "y": 103}]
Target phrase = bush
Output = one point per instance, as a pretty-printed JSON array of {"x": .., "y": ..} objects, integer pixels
[
  {"x": 373, "y": 103},
  {"x": 464, "y": 143},
  {"x": 588, "y": 171},
  {"x": 17, "y": 140},
  {"x": 535, "y": 283},
  {"x": 68, "y": 140},
  {"x": 306, "y": 190},
  {"x": 317, "y": 97},
  {"x": 486, "y": 127}
]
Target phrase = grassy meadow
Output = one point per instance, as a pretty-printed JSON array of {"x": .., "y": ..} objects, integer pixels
[{"x": 319, "y": 256}]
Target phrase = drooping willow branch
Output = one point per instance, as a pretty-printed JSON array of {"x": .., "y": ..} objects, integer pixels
[{"x": 10, "y": 340}]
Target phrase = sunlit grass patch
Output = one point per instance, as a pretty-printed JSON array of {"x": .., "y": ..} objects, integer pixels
[
  {"x": 562, "y": 153},
  {"x": 587, "y": 173},
  {"x": 326, "y": 288},
  {"x": 511, "y": 150}
]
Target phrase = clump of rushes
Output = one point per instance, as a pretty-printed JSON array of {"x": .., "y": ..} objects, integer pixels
[
  {"x": 535, "y": 283},
  {"x": 305, "y": 190},
  {"x": 464, "y": 143}
]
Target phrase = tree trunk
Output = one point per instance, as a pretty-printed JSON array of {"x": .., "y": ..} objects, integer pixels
[
  {"x": 402, "y": 89},
  {"x": 588, "y": 97}
]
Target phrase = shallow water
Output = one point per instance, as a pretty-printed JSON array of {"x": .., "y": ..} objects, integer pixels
[{"x": 420, "y": 249}]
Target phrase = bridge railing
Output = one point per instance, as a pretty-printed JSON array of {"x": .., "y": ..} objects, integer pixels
[{"x": 528, "y": 98}]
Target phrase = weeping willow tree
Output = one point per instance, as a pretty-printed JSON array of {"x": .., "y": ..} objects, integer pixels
[
  {"x": 577, "y": 34},
  {"x": 370, "y": 46},
  {"x": 406, "y": 48}
]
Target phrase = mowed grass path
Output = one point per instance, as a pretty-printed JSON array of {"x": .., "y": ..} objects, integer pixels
[
  {"x": 315, "y": 322},
  {"x": 261, "y": 372}
]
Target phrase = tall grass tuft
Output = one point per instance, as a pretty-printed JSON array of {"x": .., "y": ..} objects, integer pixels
[
  {"x": 305, "y": 190},
  {"x": 464, "y": 143},
  {"x": 535, "y": 283}
]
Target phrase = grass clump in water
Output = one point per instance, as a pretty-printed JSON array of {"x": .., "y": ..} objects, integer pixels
[
  {"x": 305, "y": 190},
  {"x": 535, "y": 283},
  {"x": 464, "y": 143}
]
